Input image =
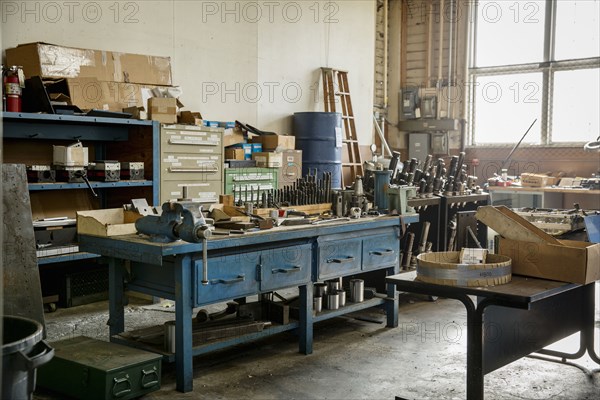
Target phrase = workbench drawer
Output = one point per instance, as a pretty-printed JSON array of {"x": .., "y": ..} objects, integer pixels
[
  {"x": 339, "y": 257},
  {"x": 379, "y": 251},
  {"x": 190, "y": 139},
  {"x": 229, "y": 277},
  {"x": 286, "y": 267}
]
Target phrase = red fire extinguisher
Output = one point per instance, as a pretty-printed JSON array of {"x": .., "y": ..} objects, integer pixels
[{"x": 13, "y": 88}]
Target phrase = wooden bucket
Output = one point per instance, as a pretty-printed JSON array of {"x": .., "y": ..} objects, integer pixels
[{"x": 443, "y": 268}]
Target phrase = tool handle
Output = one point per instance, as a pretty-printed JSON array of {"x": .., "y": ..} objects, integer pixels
[
  {"x": 340, "y": 260},
  {"x": 240, "y": 278},
  {"x": 295, "y": 268},
  {"x": 382, "y": 253}
]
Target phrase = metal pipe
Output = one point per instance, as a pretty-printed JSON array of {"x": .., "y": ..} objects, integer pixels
[
  {"x": 381, "y": 136},
  {"x": 441, "y": 44},
  {"x": 450, "y": 45},
  {"x": 205, "y": 261}
]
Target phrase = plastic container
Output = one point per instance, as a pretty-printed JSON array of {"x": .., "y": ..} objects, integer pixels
[
  {"x": 23, "y": 351},
  {"x": 319, "y": 136}
]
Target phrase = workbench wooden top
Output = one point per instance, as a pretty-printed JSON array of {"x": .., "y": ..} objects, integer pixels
[{"x": 139, "y": 248}]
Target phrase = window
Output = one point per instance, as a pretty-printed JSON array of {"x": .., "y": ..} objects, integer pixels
[{"x": 537, "y": 59}]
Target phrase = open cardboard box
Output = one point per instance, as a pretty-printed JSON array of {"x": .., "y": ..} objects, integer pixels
[
  {"x": 107, "y": 222},
  {"x": 535, "y": 253}
]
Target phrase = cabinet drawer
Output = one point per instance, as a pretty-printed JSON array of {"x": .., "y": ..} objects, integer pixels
[
  {"x": 290, "y": 266},
  {"x": 229, "y": 277},
  {"x": 190, "y": 140},
  {"x": 203, "y": 192},
  {"x": 175, "y": 166},
  {"x": 339, "y": 257},
  {"x": 379, "y": 251}
]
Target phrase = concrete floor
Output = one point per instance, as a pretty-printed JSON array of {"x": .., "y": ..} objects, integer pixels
[{"x": 352, "y": 359}]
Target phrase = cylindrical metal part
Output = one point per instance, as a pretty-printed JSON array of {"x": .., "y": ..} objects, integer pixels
[
  {"x": 341, "y": 297},
  {"x": 382, "y": 181},
  {"x": 317, "y": 304},
  {"x": 357, "y": 290},
  {"x": 320, "y": 289},
  {"x": 169, "y": 333},
  {"x": 333, "y": 301},
  {"x": 333, "y": 285}
]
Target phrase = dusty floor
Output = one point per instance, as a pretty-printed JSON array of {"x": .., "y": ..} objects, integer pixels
[{"x": 352, "y": 359}]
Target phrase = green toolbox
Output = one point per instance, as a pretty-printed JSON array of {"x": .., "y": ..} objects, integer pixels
[{"x": 86, "y": 368}]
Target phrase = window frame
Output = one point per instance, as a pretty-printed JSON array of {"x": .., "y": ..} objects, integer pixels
[{"x": 547, "y": 68}]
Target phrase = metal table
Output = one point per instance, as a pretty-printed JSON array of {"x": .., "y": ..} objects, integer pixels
[
  {"x": 245, "y": 265},
  {"x": 511, "y": 321}
]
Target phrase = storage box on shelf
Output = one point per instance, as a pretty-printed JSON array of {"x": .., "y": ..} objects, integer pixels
[{"x": 191, "y": 163}]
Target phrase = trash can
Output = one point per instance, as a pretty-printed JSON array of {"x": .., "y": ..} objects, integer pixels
[{"x": 23, "y": 351}]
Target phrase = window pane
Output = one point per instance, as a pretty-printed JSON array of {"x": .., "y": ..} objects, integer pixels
[
  {"x": 509, "y": 32},
  {"x": 505, "y": 106},
  {"x": 576, "y": 101},
  {"x": 577, "y": 29}
]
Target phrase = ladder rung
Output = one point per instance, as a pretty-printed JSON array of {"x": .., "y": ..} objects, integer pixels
[
  {"x": 342, "y": 93},
  {"x": 347, "y": 117},
  {"x": 350, "y": 141},
  {"x": 351, "y": 164}
]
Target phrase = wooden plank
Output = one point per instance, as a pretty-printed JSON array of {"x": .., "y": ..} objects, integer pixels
[{"x": 22, "y": 289}]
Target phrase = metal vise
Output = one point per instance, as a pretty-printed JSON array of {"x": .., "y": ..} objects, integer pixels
[
  {"x": 183, "y": 220},
  {"x": 398, "y": 198}
]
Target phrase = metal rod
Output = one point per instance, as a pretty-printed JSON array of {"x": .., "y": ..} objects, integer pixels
[{"x": 516, "y": 146}]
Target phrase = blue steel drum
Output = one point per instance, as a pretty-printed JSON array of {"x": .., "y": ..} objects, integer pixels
[{"x": 319, "y": 136}]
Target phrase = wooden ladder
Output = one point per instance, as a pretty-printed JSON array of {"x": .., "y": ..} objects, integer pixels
[{"x": 330, "y": 75}]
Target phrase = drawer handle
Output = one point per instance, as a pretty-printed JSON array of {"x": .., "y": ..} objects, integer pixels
[
  {"x": 152, "y": 373},
  {"x": 295, "y": 268},
  {"x": 201, "y": 170},
  {"x": 240, "y": 278},
  {"x": 117, "y": 382},
  {"x": 382, "y": 253},
  {"x": 340, "y": 260},
  {"x": 193, "y": 142}
]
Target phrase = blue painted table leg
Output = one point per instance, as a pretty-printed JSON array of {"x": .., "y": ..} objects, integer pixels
[
  {"x": 306, "y": 319},
  {"x": 116, "y": 319},
  {"x": 391, "y": 304},
  {"x": 183, "y": 324}
]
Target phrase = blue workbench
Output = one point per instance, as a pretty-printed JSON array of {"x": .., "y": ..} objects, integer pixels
[{"x": 250, "y": 264}]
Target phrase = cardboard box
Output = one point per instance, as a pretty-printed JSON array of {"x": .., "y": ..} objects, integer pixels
[
  {"x": 233, "y": 136},
  {"x": 275, "y": 142},
  {"x": 257, "y": 147},
  {"x": 247, "y": 147},
  {"x": 70, "y": 156},
  {"x": 53, "y": 61},
  {"x": 88, "y": 93},
  {"x": 108, "y": 222},
  {"x": 537, "y": 180},
  {"x": 234, "y": 154},
  {"x": 190, "y": 118},
  {"x": 535, "y": 253},
  {"x": 162, "y": 109},
  {"x": 291, "y": 168},
  {"x": 571, "y": 261},
  {"x": 267, "y": 160}
]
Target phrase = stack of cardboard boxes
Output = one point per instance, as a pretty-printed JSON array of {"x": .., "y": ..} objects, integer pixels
[
  {"x": 96, "y": 79},
  {"x": 268, "y": 151}
]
